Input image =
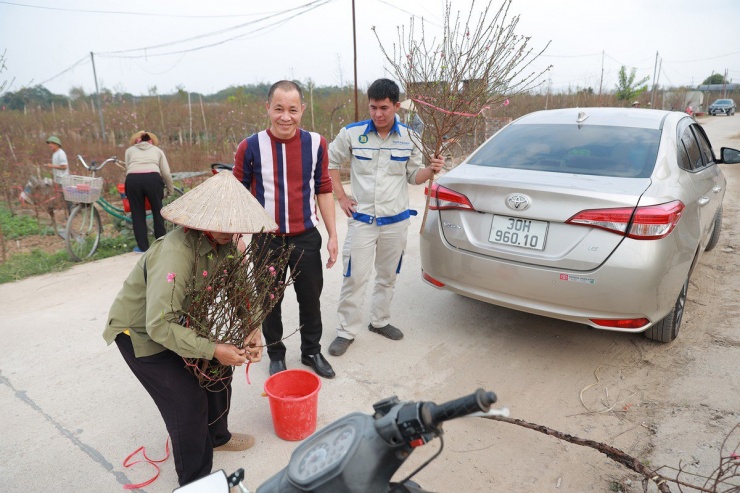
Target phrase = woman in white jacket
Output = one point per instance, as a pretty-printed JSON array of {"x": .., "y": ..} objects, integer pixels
[{"x": 147, "y": 175}]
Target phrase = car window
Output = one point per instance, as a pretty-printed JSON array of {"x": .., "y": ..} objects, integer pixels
[
  {"x": 568, "y": 148},
  {"x": 684, "y": 162},
  {"x": 704, "y": 147},
  {"x": 692, "y": 150}
]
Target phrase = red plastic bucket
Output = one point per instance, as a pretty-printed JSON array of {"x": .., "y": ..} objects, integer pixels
[{"x": 294, "y": 402}]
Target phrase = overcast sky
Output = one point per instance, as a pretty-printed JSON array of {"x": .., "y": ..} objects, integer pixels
[{"x": 140, "y": 44}]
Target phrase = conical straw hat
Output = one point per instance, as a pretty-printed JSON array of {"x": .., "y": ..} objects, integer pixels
[{"x": 220, "y": 204}]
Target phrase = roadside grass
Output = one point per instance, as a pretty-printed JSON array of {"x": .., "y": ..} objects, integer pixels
[
  {"x": 25, "y": 265},
  {"x": 37, "y": 262},
  {"x": 17, "y": 225}
]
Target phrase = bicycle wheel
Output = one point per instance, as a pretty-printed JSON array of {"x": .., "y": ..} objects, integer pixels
[{"x": 83, "y": 231}]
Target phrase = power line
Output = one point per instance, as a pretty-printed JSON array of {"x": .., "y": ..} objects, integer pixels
[
  {"x": 83, "y": 59},
  {"x": 570, "y": 56},
  {"x": 410, "y": 13},
  {"x": 115, "y": 54},
  {"x": 705, "y": 59},
  {"x": 308, "y": 7},
  {"x": 146, "y": 14}
]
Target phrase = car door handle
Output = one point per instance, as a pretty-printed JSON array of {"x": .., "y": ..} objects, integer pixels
[
  {"x": 717, "y": 189},
  {"x": 703, "y": 201}
]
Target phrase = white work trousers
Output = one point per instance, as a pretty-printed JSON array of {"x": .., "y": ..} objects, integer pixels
[{"x": 369, "y": 245}]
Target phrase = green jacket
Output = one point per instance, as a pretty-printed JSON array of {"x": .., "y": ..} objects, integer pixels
[{"x": 151, "y": 302}]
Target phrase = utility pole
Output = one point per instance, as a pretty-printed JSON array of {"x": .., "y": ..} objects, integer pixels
[
  {"x": 657, "y": 78},
  {"x": 190, "y": 119},
  {"x": 97, "y": 94},
  {"x": 354, "y": 43},
  {"x": 655, "y": 71},
  {"x": 601, "y": 81}
]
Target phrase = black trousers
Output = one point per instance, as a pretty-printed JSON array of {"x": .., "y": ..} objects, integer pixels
[
  {"x": 138, "y": 187},
  {"x": 305, "y": 262},
  {"x": 196, "y": 419}
]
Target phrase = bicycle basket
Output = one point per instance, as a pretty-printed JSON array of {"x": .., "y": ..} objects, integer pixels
[{"x": 83, "y": 189}]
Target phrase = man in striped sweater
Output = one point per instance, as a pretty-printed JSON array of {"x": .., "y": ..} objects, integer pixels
[{"x": 286, "y": 169}]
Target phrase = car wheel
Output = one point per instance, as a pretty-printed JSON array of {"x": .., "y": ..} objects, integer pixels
[
  {"x": 716, "y": 229},
  {"x": 667, "y": 329}
]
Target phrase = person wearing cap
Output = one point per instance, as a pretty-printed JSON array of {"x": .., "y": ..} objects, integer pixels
[
  {"x": 59, "y": 164},
  {"x": 286, "y": 169},
  {"x": 147, "y": 175},
  {"x": 144, "y": 321}
]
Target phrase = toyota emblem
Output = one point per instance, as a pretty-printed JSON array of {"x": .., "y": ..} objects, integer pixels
[{"x": 517, "y": 201}]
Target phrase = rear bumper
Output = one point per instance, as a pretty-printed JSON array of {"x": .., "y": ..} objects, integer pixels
[{"x": 640, "y": 279}]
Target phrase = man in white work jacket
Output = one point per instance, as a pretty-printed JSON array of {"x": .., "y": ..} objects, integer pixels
[{"x": 384, "y": 160}]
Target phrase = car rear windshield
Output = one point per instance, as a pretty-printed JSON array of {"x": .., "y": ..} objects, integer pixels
[{"x": 568, "y": 148}]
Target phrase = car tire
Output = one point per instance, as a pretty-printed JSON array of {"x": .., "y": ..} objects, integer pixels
[
  {"x": 666, "y": 330},
  {"x": 716, "y": 230}
]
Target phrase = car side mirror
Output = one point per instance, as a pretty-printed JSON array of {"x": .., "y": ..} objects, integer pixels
[{"x": 730, "y": 156}]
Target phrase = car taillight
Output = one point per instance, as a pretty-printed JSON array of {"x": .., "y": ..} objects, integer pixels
[
  {"x": 444, "y": 198},
  {"x": 642, "y": 223},
  {"x": 629, "y": 323},
  {"x": 431, "y": 280},
  {"x": 656, "y": 221}
]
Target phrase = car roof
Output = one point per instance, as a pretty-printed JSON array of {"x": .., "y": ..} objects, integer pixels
[{"x": 621, "y": 117}]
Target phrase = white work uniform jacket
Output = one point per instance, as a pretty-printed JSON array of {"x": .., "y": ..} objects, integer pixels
[{"x": 380, "y": 169}]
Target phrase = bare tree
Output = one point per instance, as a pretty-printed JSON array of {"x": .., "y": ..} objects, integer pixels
[
  {"x": 477, "y": 64},
  {"x": 5, "y": 83}
]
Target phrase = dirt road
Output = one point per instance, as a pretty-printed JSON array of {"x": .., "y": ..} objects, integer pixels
[{"x": 72, "y": 412}]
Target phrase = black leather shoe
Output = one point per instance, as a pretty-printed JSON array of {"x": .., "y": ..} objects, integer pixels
[
  {"x": 319, "y": 364},
  {"x": 277, "y": 365}
]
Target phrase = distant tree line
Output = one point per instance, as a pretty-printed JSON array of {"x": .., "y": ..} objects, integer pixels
[{"x": 40, "y": 97}]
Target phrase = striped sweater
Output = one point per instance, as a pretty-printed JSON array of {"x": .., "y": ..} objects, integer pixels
[{"x": 285, "y": 176}]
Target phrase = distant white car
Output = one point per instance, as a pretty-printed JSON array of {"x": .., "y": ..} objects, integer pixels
[{"x": 592, "y": 215}]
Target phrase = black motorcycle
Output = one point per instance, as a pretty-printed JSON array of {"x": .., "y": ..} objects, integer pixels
[{"x": 360, "y": 453}]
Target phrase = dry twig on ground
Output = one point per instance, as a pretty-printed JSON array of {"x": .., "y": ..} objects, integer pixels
[{"x": 726, "y": 475}]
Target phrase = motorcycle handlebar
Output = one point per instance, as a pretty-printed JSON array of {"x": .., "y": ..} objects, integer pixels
[{"x": 480, "y": 400}]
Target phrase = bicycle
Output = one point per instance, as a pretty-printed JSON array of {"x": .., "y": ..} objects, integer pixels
[
  {"x": 44, "y": 194},
  {"x": 84, "y": 226}
]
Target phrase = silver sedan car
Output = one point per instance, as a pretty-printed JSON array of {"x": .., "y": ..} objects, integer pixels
[{"x": 592, "y": 215}]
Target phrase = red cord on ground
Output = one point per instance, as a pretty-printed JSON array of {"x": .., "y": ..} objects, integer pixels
[{"x": 141, "y": 449}]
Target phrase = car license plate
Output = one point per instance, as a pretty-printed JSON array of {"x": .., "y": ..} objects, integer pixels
[{"x": 515, "y": 231}]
